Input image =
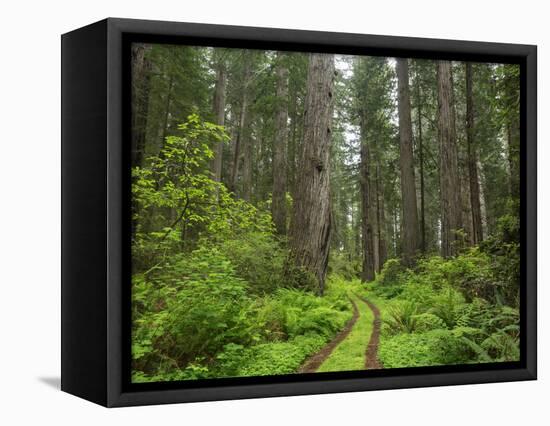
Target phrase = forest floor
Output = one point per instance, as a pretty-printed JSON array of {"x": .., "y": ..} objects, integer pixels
[{"x": 355, "y": 347}]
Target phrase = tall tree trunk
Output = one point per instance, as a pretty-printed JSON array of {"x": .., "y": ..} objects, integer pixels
[
  {"x": 309, "y": 237},
  {"x": 243, "y": 134},
  {"x": 513, "y": 136},
  {"x": 449, "y": 182},
  {"x": 293, "y": 143},
  {"x": 396, "y": 232},
  {"x": 247, "y": 142},
  {"x": 278, "y": 203},
  {"x": 380, "y": 221},
  {"x": 482, "y": 202},
  {"x": 141, "y": 77},
  {"x": 406, "y": 162},
  {"x": 166, "y": 112},
  {"x": 367, "y": 231},
  {"x": 219, "y": 113},
  {"x": 477, "y": 229},
  {"x": 420, "y": 148},
  {"x": 512, "y": 99},
  {"x": 141, "y": 83}
]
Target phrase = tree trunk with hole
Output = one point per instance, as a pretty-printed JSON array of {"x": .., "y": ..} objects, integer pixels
[
  {"x": 309, "y": 236},
  {"x": 278, "y": 202},
  {"x": 409, "y": 242},
  {"x": 477, "y": 228},
  {"x": 449, "y": 182}
]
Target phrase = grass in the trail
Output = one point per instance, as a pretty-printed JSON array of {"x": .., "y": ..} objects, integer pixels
[{"x": 350, "y": 354}]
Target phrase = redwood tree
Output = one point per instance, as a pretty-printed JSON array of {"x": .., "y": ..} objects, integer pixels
[
  {"x": 477, "y": 231},
  {"x": 219, "y": 113},
  {"x": 451, "y": 207},
  {"x": 278, "y": 203},
  {"x": 309, "y": 237},
  {"x": 409, "y": 242}
]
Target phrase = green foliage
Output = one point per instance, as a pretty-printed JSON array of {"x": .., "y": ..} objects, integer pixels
[
  {"x": 391, "y": 272},
  {"x": 447, "y": 305},
  {"x": 258, "y": 258},
  {"x": 445, "y": 311},
  {"x": 193, "y": 307},
  {"x": 340, "y": 264},
  {"x": 401, "y": 317},
  {"x": 175, "y": 188},
  {"x": 195, "y": 319},
  {"x": 427, "y": 322},
  {"x": 435, "y": 347},
  {"x": 278, "y": 357},
  {"x": 504, "y": 251}
]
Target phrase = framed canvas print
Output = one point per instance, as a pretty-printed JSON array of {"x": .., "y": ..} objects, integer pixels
[{"x": 252, "y": 212}]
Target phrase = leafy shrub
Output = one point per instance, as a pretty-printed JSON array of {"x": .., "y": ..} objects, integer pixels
[
  {"x": 504, "y": 250},
  {"x": 305, "y": 313},
  {"x": 299, "y": 278},
  {"x": 447, "y": 305},
  {"x": 391, "y": 272},
  {"x": 201, "y": 322},
  {"x": 341, "y": 265},
  {"x": 280, "y": 357},
  {"x": 193, "y": 307},
  {"x": 401, "y": 317},
  {"x": 418, "y": 291},
  {"x": 258, "y": 258},
  {"x": 427, "y": 322},
  {"x": 435, "y": 347}
]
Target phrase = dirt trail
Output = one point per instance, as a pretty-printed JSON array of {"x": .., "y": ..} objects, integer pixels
[
  {"x": 371, "y": 361},
  {"x": 314, "y": 362}
]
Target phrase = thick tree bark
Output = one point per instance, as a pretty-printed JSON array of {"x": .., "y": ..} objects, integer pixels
[
  {"x": 367, "y": 229},
  {"x": 475, "y": 205},
  {"x": 219, "y": 113},
  {"x": 141, "y": 76},
  {"x": 409, "y": 243},
  {"x": 309, "y": 237},
  {"x": 449, "y": 182},
  {"x": 278, "y": 202}
]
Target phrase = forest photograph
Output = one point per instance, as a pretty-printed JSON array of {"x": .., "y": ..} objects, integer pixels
[{"x": 298, "y": 213}]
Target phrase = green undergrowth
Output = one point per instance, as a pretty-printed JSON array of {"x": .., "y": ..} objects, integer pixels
[
  {"x": 447, "y": 311},
  {"x": 209, "y": 325}
]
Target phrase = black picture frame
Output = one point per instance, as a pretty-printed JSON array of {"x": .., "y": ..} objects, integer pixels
[{"x": 95, "y": 211}]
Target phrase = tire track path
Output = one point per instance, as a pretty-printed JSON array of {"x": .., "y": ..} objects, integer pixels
[
  {"x": 313, "y": 363},
  {"x": 371, "y": 357}
]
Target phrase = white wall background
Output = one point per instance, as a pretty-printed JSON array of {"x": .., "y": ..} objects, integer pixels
[{"x": 30, "y": 211}]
